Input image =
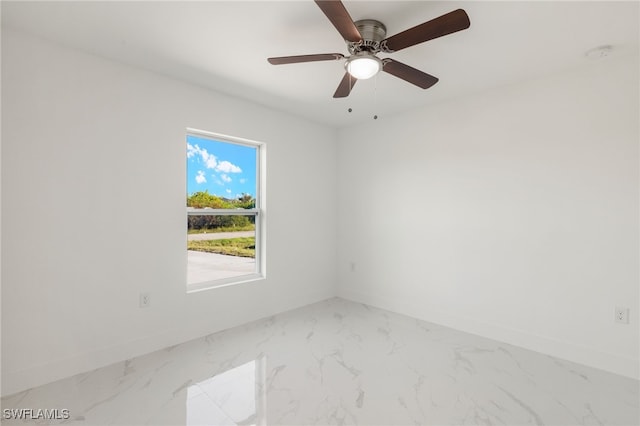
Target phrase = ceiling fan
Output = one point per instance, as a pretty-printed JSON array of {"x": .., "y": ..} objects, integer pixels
[{"x": 365, "y": 38}]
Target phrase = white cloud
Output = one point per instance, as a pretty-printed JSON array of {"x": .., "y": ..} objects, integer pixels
[
  {"x": 228, "y": 191},
  {"x": 191, "y": 150},
  {"x": 225, "y": 178},
  {"x": 200, "y": 178},
  {"x": 209, "y": 160},
  {"x": 243, "y": 180},
  {"x": 227, "y": 167}
]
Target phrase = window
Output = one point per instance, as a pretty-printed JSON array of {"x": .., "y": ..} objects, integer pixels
[{"x": 225, "y": 205}]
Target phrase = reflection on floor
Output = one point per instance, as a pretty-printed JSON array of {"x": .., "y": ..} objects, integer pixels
[
  {"x": 228, "y": 398},
  {"x": 338, "y": 362}
]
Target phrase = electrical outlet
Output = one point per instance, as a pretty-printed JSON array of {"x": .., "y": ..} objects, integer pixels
[
  {"x": 145, "y": 300},
  {"x": 622, "y": 315}
]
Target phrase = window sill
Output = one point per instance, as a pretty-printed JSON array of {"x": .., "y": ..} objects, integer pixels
[{"x": 225, "y": 282}]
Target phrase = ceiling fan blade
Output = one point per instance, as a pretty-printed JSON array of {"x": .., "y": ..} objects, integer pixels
[
  {"x": 409, "y": 74},
  {"x": 446, "y": 24},
  {"x": 339, "y": 17},
  {"x": 281, "y": 60},
  {"x": 345, "y": 86}
]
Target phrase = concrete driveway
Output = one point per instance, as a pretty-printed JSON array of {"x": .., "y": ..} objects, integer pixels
[{"x": 203, "y": 267}]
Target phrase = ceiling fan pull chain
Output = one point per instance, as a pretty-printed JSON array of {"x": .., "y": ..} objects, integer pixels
[{"x": 375, "y": 96}]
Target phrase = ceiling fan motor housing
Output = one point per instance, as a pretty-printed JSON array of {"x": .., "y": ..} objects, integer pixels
[{"x": 372, "y": 32}]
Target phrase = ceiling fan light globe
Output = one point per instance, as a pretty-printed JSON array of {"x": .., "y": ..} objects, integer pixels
[{"x": 363, "y": 67}]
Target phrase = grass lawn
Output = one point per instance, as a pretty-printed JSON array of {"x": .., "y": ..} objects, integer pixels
[
  {"x": 222, "y": 229},
  {"x": 243, "y": 247}
]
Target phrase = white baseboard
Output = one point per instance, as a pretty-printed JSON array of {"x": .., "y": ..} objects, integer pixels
[
  {"x": 13, "y": 382},
  {"x": 559, "y": 349},
  {"x": 18, "y": 381}
]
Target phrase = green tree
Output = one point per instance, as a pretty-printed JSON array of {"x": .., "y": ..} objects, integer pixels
[
  {"x": 202, "y": 199},
  {"x": 245, "y": 201}
]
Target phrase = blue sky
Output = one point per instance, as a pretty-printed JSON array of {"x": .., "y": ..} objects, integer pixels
[{"x": 224, "y": 169}]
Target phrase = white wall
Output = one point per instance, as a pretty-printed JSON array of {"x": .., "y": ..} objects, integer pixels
[
  {"x": 93, "y": 187},
  {"x": 512, "y": 214}
]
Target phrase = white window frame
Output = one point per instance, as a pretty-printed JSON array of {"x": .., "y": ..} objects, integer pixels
[{"x": 258, "y": 212}]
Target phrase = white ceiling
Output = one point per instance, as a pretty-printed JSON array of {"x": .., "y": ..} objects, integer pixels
[{"x": 223, "y": 45}]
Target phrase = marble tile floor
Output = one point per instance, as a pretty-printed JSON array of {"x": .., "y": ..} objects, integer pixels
[{"x": 337, "y": 363}]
